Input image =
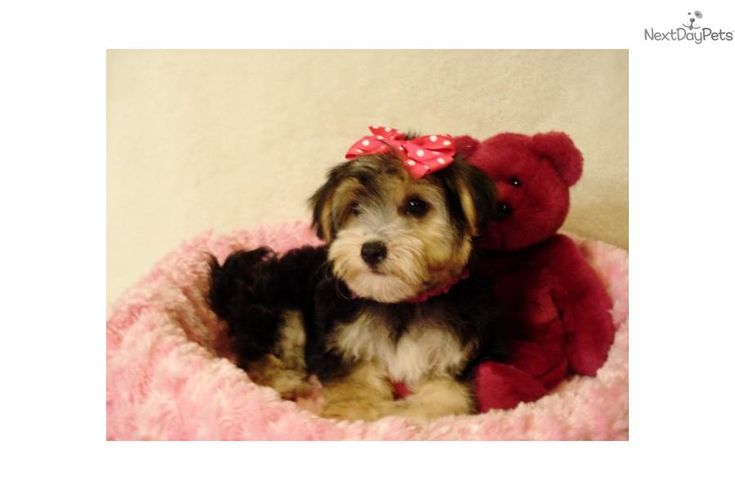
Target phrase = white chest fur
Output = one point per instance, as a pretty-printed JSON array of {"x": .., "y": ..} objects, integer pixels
[{"x": 427, "y": 348}]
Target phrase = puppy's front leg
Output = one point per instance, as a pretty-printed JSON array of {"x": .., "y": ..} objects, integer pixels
[
  {"x": 434, "y": 398},
  {"x": 363, "y": 394}
]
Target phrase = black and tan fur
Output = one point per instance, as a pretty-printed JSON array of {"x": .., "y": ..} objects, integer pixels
[{"x": 336, "y": 313}]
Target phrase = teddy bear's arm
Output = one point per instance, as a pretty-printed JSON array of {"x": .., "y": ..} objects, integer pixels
[
  {"x": 584, "y": 306},
  {"x": 504, "y": 386}
]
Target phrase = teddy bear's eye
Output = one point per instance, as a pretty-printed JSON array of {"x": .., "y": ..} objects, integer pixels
[{"x": 515, "y": 182}]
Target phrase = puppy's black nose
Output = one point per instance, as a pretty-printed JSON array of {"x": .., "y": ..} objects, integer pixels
[{"x": 373, "y": 252}]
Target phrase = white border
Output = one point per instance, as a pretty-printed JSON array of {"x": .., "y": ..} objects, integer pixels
[{"x": 53, "y": 178}]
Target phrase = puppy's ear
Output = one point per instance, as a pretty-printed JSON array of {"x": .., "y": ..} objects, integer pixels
[
  {"x": 322, "y": 203},
  {"x": 475, "y": 193}
]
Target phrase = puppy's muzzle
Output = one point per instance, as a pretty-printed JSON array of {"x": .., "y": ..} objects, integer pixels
[{"x": 373, "y": 253}]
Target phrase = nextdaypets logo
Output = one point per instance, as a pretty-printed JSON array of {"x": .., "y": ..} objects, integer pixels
[{"x": 690, "y": 30}]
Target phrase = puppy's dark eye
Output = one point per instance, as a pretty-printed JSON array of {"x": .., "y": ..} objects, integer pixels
[
  {"x": 416, "y": 207},
  {"x": 355, "y": 209},
  {"x": 515, "y": 182}
]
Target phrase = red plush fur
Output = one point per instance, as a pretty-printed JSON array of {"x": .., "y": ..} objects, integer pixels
[{"x": 557, "y": 304}]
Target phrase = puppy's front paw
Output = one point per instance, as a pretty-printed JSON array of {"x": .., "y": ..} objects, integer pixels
[
  {"x": 417, "y": 410},
  {"x": 351, "y": 410},
  {"x": 419, "y": 415},
  {"x": 314, "y": 401}
]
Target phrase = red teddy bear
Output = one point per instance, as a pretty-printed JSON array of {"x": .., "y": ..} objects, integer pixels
[{"x": 557, "y": 304}]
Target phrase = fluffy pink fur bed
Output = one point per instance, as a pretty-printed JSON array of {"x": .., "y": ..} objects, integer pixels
[{"x": 169, "y": 377}]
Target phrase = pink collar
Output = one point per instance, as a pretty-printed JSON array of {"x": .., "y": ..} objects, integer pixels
[{"x": 439, "y": 290}]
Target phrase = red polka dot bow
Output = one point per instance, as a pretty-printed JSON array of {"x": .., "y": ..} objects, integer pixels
[{"x": 421, "y": 156}]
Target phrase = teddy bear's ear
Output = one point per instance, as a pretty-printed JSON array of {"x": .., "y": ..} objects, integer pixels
[
  {"x": 465, "y": 145},
  {"x": 563, "y": 154}
]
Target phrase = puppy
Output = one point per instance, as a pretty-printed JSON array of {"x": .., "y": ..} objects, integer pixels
[{"x": 390, "y": 298}]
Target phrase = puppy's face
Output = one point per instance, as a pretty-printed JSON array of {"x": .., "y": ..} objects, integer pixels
[{"x": 392, "y": 237}]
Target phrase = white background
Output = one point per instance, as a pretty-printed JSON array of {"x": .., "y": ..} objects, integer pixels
[{"x": 52, "y": 186}]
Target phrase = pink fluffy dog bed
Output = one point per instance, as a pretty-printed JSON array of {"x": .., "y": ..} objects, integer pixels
[{"x": 169, "y": 376}]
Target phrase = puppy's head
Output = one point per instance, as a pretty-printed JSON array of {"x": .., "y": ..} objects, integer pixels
[{"x": 392, "y": 237}]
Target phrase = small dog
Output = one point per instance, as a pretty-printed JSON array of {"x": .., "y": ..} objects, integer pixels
[{"x": 391, "y": 297}]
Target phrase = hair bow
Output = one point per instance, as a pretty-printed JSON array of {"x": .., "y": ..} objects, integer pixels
[{"x": 420, "y": 156}]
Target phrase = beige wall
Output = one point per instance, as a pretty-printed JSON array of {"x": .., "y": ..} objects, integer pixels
[{"x": 228, "y": 139}]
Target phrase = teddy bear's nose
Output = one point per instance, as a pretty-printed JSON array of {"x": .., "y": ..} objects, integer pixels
[{"x": 504, "y": 210}]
